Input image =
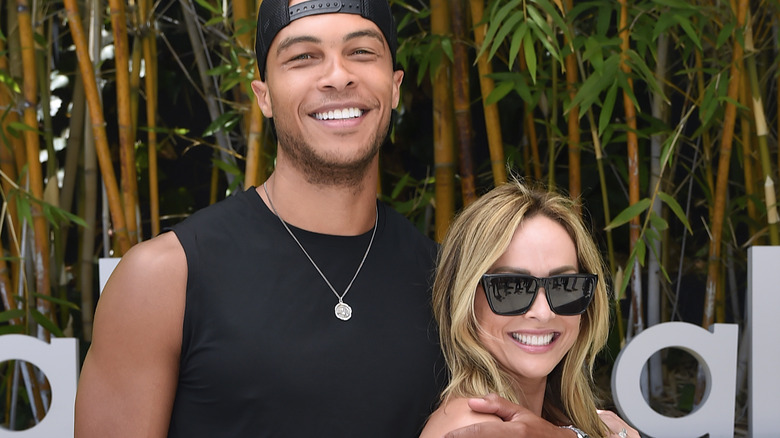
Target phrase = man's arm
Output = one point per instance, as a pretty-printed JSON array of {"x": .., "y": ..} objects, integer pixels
[
  {"x": 128, "y": 382},
  {"x": 518, "y": 422}
]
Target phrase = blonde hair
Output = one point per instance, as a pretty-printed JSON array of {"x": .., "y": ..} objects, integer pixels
[{"x": 478, "y": 236}]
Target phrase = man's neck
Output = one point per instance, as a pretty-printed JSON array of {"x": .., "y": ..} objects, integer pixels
[{"x": 322, "y": 209}]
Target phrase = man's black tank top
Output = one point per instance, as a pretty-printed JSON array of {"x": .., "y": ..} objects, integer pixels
[{"x": 263, "y": 354}]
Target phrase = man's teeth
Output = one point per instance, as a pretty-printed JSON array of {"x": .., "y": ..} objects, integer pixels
[
  {"x": 346, "y": 113},
  {"x": 533, "y": 339}
]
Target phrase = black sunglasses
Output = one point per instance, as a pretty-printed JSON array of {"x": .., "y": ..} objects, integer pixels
[{"x": 513, "y": 294}]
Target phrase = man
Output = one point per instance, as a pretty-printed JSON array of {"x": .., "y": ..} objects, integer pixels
[{"x": 300, "y": 308}]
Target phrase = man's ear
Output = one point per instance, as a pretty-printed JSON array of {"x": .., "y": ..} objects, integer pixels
[
  {"x": 263, "y": 98},
  {"x": 398, "y": 77}
]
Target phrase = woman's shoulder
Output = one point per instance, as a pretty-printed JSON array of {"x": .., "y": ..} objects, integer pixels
[{"x": 453, "y": 414}]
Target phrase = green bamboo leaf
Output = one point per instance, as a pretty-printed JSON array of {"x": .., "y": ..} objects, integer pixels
[
  {"x": 19, "y": 126},
  {"x": 604, "y": 20},
  {"x": 434, "y": 62},
  {"x": 220, "y": 69},
  {"x": 9, "y": 82},
  {"x": 506, "y": 28},
  {"x": 709, "y": 102},
  {"x": 216, "y": 10},
  {"x": 57, "y": 215},
  {"x": 677, "y": 209},
  {"x": 544, "y": 33},
  {"x": 446, "y": 46},
  {"x": 556, "y": 17},
  {"x": 8, "y": 315},
  {"x": 607, "y": 108},
  {"x": 222, "y": 123},
  {"x": 530, "y": 56},
  {"x": 11, "y": 330},
  {"x": 648, "y": 76},
  {"x": 592, "y": 88},
  {"x": 677, "y": 4},
  {"x": 495, "y": 23},
  {"x": 539, "y": 21},
  {"x": 687, "y": 27},
  {"x": 651, "y": 235},
  {"x": 658, "y": 223},
  {"x": 517, "y": 41},
  {"x": 594, "y": 55},
  {"x": 213, "y": 21},
  {"x": 667, "y": 149},
  {"x": 227, "y": 167},
  {"x": 499, "y": 91},
  {"x": 424, "y": 66},
  {"x": 663, "y": 23},
  {"x": 55, "y": 300},
  {"x": 23, "y": 208},
  {"x": 641, "y": 251},
  {"x": 46, "y": 323},
  {"x": 400, "y": 185},
  {"x": 621, "y": 293},
  {"x": 622, "y": 80},
  {"x": 724, "y": 34},
  {"x": 629, "y": 213}
]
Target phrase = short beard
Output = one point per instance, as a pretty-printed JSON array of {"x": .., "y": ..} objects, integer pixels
[{"x": 322, "y": 171}]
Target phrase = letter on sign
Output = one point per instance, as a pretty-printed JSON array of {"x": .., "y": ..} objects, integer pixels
[
  {"x": 762, "y": 310},
  {"x": 59, "y": 362},
  {"x": 716, "y": 352}
]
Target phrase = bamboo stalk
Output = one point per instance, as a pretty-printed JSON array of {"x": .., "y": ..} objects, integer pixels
[
  {"x": 254, "y": 172},
  {"x": 73, "y": 148},
  {"x": 98, "y": 126},
  {"x": 255, "y": 159},
  {"x": 748, "y": 159},
  {"x": 40, "y": 254},
  {"x": 762, "y": 132},
  {"x": 530, "y": 127},
  {"x": 492, "y": 119},
  {"x": 706, "y": 143},
  {"x": 210, "y": 89},
  {"x": 8, "y": 162},
  {"x": 575, "y": 172},
  {"x": 719, "y": 196},
  {"x": 43, "y": 64},
  {"x": 632, "y": 146},
  {"x": 150, "y": 82},
  {"x": 654, "y": 296},
  {"x": 552, "y": 131},
  {"x": 461, "y": 102},
  {"x": 87, "y": 249},
  {"x": 443, "y": 142},
  {"x": 125, "y": 122}
]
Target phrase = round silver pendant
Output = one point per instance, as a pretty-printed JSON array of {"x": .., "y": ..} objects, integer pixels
[{"x": 343, "y": 311}]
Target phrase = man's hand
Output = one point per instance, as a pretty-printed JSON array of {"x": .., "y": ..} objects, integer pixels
[
  {"x": 519, "y": 422},
  {"x": 617, "y": 426}
]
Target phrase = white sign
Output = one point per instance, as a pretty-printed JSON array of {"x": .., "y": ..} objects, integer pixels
[{"x": 716, "y": 352}]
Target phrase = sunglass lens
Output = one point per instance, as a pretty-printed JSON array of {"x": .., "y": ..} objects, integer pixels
[
  {"x": 510, "y": 294},
  {"x": 570, "y": 295}
]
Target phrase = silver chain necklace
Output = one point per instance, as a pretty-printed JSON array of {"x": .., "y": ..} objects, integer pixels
[{"x": 343, "y": 311}]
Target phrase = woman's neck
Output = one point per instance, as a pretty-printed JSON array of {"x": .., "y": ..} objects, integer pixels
[{"x": 531, "y": 394}]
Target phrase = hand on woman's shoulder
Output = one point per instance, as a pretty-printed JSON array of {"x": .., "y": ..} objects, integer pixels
[{"x": 453, "y": 414}]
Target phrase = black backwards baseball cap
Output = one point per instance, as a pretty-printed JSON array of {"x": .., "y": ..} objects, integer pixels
[{"x": 274, "y": 15}]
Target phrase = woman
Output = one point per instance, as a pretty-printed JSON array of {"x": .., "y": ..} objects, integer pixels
[{"x": 521, "y": 301}]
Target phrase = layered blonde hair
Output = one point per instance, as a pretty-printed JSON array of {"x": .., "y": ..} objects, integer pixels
[{"x": 478, "y": 236}]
